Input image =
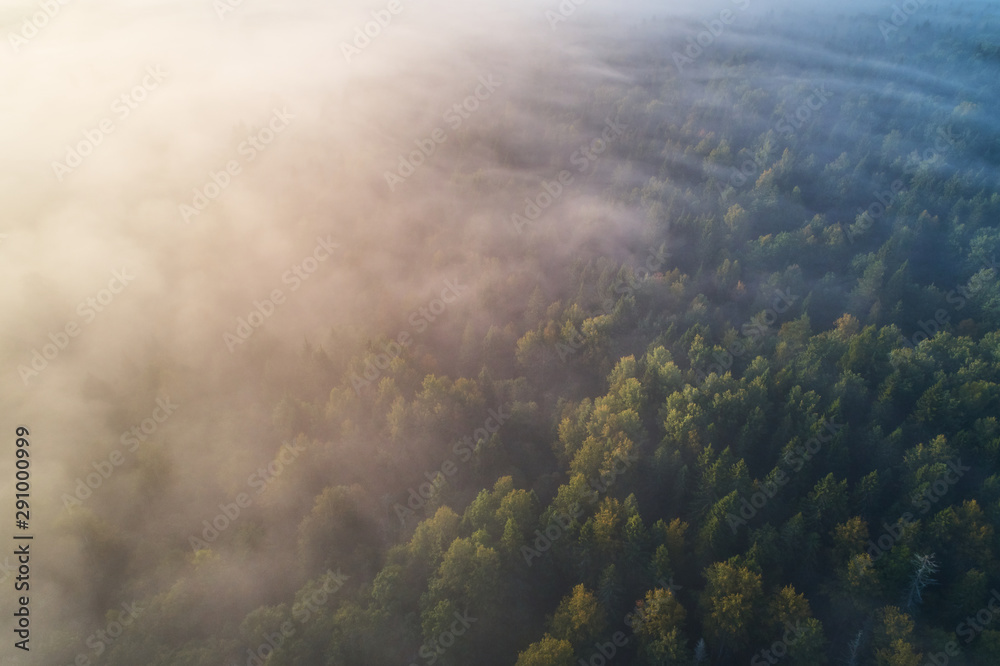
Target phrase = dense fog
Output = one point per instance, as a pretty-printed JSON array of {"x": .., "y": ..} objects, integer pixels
[{"x": 220, "y": 213}]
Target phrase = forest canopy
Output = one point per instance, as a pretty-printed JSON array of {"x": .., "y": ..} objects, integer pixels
[{"x": 668, "y": 355}]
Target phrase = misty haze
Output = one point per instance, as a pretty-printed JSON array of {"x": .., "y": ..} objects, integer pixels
[{"x": 526, "y": 333}]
